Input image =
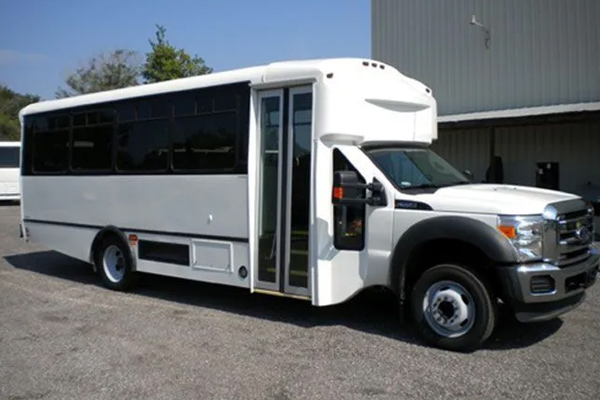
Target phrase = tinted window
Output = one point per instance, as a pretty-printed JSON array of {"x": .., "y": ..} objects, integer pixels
[
  {"x": 205, "y": 142},
  {"x": 106, "y": 116},
  {"x": 153, "y": 109},
  {"x": 143, "y": 146},
  {"x": 205, "y": 102},
  {"x": 125, "y": 112},
  {"x": 92, "y": 118},
  {"x": 92, "y": 148},
  {"x": 225, "y": 101},
  {"x": 349, "y": 220},
  {"x": 58, "y": 122},
  {"x": 79, "y": 119},
  {"x": 50, "y": 151},
  {"x": 9, "y": 157},
  {"x": 208, "y": 127},
  {"x": 184, "y": 105}
]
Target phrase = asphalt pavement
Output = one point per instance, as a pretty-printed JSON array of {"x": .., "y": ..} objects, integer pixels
[{"x": 63, "y": 336}]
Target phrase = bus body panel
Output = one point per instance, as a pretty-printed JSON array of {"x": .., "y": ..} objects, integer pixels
[
  {"x": 208, "y": 205},
  {"x": 343, "y": 273},
  {"x": 74, "y": 241},
  {"x": 197, "y": 210},
  {"x": 220, "y": 266}
]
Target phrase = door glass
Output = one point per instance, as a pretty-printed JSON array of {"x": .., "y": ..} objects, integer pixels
[
  {"x": 269, "y": 154},
  {"x": 301, "y": 127}
]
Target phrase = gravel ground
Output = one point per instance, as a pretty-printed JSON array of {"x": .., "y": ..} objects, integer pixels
[{"x": 62, "y": 336}]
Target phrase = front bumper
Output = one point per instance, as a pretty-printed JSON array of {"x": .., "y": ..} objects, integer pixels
[{"x": 565, "y": 289}]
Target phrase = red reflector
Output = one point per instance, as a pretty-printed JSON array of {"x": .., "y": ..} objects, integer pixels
[{"x": 338, "y": 192}]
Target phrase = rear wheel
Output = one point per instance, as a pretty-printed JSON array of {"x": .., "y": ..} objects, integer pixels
[
  {"x": 453, "y": 308},
  {"x": 114, "y": 264}
]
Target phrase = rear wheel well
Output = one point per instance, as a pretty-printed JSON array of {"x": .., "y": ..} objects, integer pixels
[{"x": 453, "y": 251}]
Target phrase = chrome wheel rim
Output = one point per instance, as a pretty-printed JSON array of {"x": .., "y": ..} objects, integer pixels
[
  {"x": 113, "y": 264},
  {"x": 449, "y": 309}
]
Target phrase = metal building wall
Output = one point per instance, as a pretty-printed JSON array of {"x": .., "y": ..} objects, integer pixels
[
  {"x": 465, "y": 150},
  {"x": 541, "y": 52},
  {"x": 576, "y": 146}
]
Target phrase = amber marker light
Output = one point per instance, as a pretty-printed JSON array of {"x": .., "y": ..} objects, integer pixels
[{"x": 508, "y": 231}]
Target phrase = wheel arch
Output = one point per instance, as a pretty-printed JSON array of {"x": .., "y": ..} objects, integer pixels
[{"x": 464, "y": 235}]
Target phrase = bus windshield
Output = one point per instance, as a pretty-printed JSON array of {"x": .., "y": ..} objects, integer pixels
[{"x": 415, "y": 168}]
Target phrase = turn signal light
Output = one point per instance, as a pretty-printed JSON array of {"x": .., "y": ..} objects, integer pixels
[
  {"x": 508, "y": 231},
  {"x": 133, "y": 239},
  {"x": 338, "y": 193}
]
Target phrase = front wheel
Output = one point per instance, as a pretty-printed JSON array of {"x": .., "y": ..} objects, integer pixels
[{"x": 453, "y": 308}]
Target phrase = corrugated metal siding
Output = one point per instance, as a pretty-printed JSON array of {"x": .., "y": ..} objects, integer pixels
[
  {"x": 575, "y": 146},
  {"x": 542, "y": 52}
]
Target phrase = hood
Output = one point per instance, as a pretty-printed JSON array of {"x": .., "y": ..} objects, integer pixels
[{"x": 493, "y": 199}]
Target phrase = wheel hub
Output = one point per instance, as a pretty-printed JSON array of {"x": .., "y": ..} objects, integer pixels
[
  {"x": 113, "y": 263},
  {"x": 449, "y": 309}
]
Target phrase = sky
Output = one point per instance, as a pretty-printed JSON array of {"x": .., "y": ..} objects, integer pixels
[{"x": 41, "y": 41}]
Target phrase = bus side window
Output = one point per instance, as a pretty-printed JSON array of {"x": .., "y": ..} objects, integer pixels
[{"x": 348, "y": 220}]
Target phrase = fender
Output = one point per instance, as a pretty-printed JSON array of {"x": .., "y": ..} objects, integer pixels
[
  {"x": 488, "y": 240},
  {"x": 111, "y": 230}
]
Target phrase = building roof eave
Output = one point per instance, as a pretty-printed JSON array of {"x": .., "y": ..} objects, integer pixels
[{"x": 519, "y": 115}]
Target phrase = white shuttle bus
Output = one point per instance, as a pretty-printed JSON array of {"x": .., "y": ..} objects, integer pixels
[
  {"x": 10, "y": 154},
  {"x": 309, "y": 179}
]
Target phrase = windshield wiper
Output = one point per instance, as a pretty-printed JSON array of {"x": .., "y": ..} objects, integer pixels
[
  {"x": 458, "y": 183},
  {"x": 435, "y": 186},
  {"x": 422, "y": 186}
]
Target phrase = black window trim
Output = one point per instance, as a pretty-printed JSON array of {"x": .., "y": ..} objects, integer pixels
[
  {"x": 86, "y": 111},
  {"x": 240, "y": 90},
  {"x": 64, "y": 172},
  {"x": 162, "y": 171},
  {"x": 204, "y": 170}
]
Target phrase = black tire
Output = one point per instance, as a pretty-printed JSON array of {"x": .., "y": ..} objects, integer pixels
[
  {"x": 477, "y": 331},
  {"x": 124, "y": 277}
]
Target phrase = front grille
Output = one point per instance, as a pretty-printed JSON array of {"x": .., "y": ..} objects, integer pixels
[{"x": 575, "y": 235}]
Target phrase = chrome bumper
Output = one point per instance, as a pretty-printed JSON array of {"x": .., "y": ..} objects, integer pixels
[{"x": 567, "y": 293}]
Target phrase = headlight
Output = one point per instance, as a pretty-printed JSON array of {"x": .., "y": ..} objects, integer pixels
[{"x": 525, "y": 234}]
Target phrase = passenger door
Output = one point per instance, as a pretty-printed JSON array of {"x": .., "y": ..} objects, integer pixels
[{"x": 284, "y": 190}]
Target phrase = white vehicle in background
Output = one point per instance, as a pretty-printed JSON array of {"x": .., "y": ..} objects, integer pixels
[
  {"x": 10, "y": 153},
  {"x": 307, "y": 179}
]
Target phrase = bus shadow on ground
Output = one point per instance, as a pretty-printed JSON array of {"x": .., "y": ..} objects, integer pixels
[{"x": 372, "y": 311}]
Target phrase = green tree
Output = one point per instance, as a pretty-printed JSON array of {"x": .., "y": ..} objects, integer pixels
[
  {"x": 117, "y": 69},
  {"x": 166, "y": 62},
  {"x": 10, "y": 105}
]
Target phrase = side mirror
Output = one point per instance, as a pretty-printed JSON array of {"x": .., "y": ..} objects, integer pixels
[{"x": 347, "y": 190}]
